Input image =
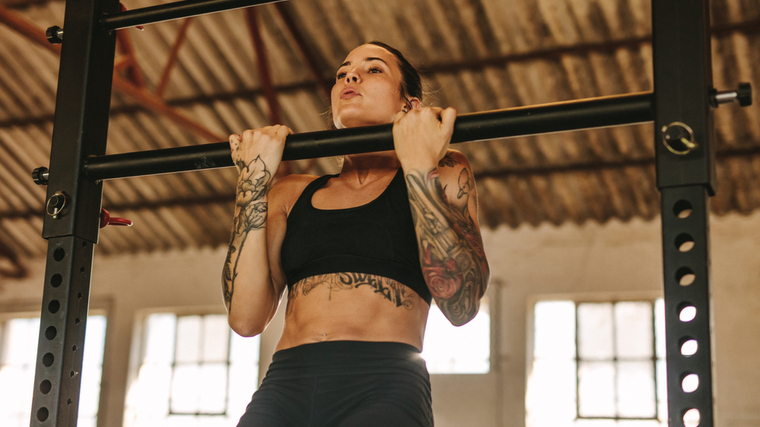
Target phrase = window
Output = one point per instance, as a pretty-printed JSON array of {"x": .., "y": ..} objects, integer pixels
[
  {"x": 194, "y": 371},
  {"x": 18, "y": 352},
  {"x": 466, "y": 349},
  {"x": 597, "y": 364}
]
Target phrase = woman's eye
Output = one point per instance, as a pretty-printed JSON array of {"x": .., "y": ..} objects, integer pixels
[
  {"x": 375, "y": 70},
  {"x": 340, "y": 76}
]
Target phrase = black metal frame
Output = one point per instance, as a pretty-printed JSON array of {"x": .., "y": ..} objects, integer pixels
[
  {"x": 679, "y": 107},
  {"x": 686, "y": 178}
]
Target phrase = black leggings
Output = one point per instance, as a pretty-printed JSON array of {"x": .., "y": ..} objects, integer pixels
[{"x": 343, "y": 384}]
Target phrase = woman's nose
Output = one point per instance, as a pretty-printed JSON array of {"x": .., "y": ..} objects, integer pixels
[{"x": 352, "y": 77}]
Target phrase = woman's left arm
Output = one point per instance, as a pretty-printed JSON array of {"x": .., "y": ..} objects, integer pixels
[{"x": 443, "y": 199}]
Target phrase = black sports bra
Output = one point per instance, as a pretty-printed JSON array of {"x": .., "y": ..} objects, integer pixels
[{"x": 376, "y": 238}]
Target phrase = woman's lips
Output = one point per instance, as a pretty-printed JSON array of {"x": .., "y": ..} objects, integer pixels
[{"x": 349, "y": 93}]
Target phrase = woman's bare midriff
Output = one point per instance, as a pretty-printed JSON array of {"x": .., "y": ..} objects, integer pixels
[{"x": 379, "y": 309}]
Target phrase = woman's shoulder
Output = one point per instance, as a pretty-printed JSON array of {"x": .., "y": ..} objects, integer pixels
[
  {"x": 287, "y": 189},
  {"x": 293, "y": 183},
  {"x": 453, "y": 159}
]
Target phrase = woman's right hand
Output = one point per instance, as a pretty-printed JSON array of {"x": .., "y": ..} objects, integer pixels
[{"x": 263, "y": 145}]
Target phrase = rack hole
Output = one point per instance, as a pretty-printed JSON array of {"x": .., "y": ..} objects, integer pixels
[
  {"x": 685, "y": 276},
  {"x": 689, "y": 347},
  {"x": 74, "y": 348},
  {"x": 79, "y": 295},
  {"x": 691, "y": 418},
  {"x": 682, "y": 209},
  {"x": 76, "y": 321},
  {"x": 50, "y": 332},
  {"x": 58, "y": 254},
  {"x": 684, "y": 242},
  {"x": 687, "y": 313},
  {"x": 48, "y": 359},
  {"x": 690, "y": 383},
  {"x": 42, "y": 414},
  {"x": 56, "y": 280},
  {"x": 45, "y": 387},
  {"x": 54, "y": 306}
]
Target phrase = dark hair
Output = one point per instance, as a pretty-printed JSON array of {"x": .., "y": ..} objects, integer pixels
[{"x": 411, "y": 83}]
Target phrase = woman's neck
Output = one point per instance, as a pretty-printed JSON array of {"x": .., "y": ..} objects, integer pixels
[{"x": 369, "y": 166}]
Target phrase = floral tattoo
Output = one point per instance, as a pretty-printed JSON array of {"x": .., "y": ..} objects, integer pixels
[{"x": 250, "y": 214}]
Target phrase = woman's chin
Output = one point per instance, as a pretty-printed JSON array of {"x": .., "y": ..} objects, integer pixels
[{"x": 352, "y": 121}]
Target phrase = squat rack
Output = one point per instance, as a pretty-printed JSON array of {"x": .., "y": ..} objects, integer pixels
[{"x": 680, "y": 106}]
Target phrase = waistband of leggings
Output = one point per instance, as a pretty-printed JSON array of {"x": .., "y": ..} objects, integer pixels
[{"x": 348, "y": 356}]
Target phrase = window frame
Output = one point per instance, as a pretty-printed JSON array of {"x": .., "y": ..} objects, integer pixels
[
  {"x": 138, "y": 351},
  {"x": 98, "y": 306},
  {"x": 600, "y": 297}
]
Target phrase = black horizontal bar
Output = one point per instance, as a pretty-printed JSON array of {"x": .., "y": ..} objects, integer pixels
[
  {"x": 558, "y": 117},
  {"x": 176, "y": 10}
]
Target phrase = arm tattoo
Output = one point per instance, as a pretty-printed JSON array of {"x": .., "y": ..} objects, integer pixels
[
  {"x": 390, "y": 289},
  {"x": 451, "y": 249},
  {"x": 447, "y": 160},
  {"x": 250, "y": 214}
]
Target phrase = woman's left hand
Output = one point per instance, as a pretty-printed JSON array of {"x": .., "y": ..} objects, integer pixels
[{"x": 421, "y": 137}]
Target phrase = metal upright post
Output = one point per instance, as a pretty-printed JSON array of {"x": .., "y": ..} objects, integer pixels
[
  {"x": 685, "y": 158},
  {"x": 73, "y": 209}
]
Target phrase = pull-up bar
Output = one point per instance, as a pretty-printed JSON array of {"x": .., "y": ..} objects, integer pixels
[
  {"x": 557, "y": 117},
  {"x": 176, "y": 10}
]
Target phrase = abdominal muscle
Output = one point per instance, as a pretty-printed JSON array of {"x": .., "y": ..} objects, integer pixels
[{"x": 353, "y": 307}]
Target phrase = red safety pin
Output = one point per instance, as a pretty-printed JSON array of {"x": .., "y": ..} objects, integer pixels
[{"x": 106, "y": 219}]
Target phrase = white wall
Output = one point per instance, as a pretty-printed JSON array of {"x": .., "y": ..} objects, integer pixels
[{"x": 528, "y": 263}]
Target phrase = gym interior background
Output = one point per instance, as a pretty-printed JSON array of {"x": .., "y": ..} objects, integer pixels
[{"x": 567, "y": 217}]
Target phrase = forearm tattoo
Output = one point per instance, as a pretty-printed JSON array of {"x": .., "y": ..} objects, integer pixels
[
  {"x": 389, "y": 289},
  {"x": 451, "y": 250},
  {"x": 250, "y": 214}
]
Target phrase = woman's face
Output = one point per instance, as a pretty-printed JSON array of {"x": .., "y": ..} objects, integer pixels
[{"x": 367, "y": 88}]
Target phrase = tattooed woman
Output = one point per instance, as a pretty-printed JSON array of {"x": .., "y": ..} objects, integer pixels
[{"x": 361, "y": 254}]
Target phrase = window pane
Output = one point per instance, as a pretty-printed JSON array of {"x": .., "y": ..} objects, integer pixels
[
  {"x": 213, "y": 394},
  {"x": 188, "y": 339},
  {"x": 159, "y": 347},
  {"x": 659, "y": 323},
  {"x": 596, "y": 423},
  {"x": 635, "y": 388},
  {"x": 149, "y": 394},
  {"x": 633, "y": 330},
  {"x": 596, "y": 389},
  {"x": 662, "y": 391},
  {"x": 550, "y": 397},
  {"x": 466, "y": 349},
  {"x": 185, "y": 389},
  {"x": 554, "y": 330},
  {"x": 216, "y": 338},
  {"x": 243, "y": 350},
  {"x": 595, "y": 331},
  {"x": 20, "y": 341}
]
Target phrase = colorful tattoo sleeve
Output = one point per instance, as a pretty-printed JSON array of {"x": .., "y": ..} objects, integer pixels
[{"x": 451, "y": 249}]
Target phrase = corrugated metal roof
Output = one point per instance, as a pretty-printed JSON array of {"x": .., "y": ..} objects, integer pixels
[{"x": 476, "y": 55}]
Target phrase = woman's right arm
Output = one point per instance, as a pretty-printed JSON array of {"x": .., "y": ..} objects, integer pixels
[{"x": 252, "y": 285}]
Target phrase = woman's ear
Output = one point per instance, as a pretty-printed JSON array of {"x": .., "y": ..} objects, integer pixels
[{"x": 415, "y": 103}]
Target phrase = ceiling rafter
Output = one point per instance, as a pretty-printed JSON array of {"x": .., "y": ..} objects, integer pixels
[
  {"x": 142, "y": 96},
  {"x": 173, "y": 55}
]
